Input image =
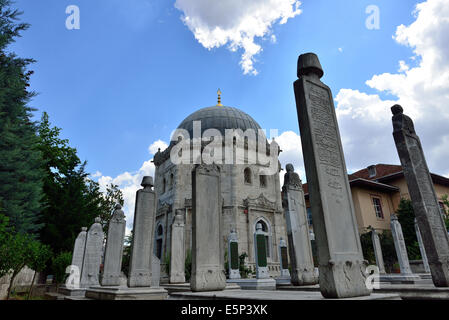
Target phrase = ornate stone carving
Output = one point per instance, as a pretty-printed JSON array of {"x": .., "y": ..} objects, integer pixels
[{"x": 260, "y": 202}]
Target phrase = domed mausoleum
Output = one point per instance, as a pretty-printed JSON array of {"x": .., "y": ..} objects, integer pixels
[{"x": 249, "y": 197}]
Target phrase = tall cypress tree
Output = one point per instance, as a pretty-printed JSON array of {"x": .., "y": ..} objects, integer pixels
[{"x": 21, "y": 166}]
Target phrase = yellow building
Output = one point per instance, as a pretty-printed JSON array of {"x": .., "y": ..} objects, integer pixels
[{"x": 377, "y": 191}]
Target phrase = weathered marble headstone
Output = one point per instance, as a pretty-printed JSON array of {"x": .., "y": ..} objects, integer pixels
[
  {"x": 177, "y": 252},
  {"x": 233, "y": 256},
  {"x": 207, "y": 254},
  {"x": 422, "y": 249},
  {"x": 78, "y": 249},
  {"x": 300, "y": 248},
  {"x": 114, "y": 248},
  {"x": 155, "y": 271},
  {"x": 399, "y": 245},
  {"x": 260, "y": 248},
  {"x": 341, "y": 264},
  {"x": 423, "y": 196},
  {"x": 90, "y": 272},
  {"x": 283, "y": 258},
  {"x": 142, "y": 247},
  {"x": 378, "y": 251}
]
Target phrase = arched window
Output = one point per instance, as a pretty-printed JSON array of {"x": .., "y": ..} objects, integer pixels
[
  {"x": 164, "y": 185},
  {"x": 247, "y": 176},
  {"x": 159, "y": 241},
  {"x": 263, "y": 181},
  {"x": 171, "y": 181},
  {"x": 266, "y": 232}
]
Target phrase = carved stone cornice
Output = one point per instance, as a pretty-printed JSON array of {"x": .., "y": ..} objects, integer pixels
[{"x": 260, "y": 202}]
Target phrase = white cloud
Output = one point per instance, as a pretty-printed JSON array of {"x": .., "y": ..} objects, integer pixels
[
  {"x": 129, "y": 183},
  {"x": 236, "y": 23},
  {"x": 340, "y": 49},
  {"x": 290, "y": 144},
  {"x": 156, "y": 145},
  {"x": 422, "y": 90}
]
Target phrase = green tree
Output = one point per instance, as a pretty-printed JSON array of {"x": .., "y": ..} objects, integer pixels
[
  {"x": 406, "y": 217},
  {"x": 72, "y": 199},
  {"x": 16, "y": 251},
  {"x": 39, "y": 255},
  {"x": 446, "y": 216},
  {"x": 21, "y": 171},
  {"x": 59, "y": 265}
]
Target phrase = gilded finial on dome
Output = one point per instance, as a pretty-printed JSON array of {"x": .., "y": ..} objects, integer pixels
[{"x": 219, "y": 97}]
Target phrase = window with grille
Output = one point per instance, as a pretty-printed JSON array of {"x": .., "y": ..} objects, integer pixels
[{"x": 378, "y": 208}]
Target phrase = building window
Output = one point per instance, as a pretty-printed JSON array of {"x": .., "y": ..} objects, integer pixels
[
  {"x": 378, "y": 208},
  {"x": 247, "y": 175},
  {"x": 263, "y": 181},
  {"x": 309, "y": 216},
  {"x": 164, "y": 185},
  {"x": 159, "y": 239},
  {"x": 171, "y": 181}
]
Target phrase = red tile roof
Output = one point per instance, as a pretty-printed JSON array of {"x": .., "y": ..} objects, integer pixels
[{"x": 382, "y": 170}]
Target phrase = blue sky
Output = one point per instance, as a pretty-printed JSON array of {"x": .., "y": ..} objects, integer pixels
[{"x": 135, "y": 69}]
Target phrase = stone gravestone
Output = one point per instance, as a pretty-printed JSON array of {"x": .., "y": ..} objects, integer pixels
[
  {"x": 378, "y": 251},
  {"x": 155, "y": 271},
  {"x": 260, "y": 249},
  {"x": 177, "y": 252},
  {"x": 283, "y": 254},
  {"x": 298, "y": 235},
  {"x": 114, "y": 248},
  {"x": 78, "y": 249},
  {"x": 423, "y": 196},
  {"x": 399, "y": 245},
  {"x": 142, "y": 246},
  {"x": 92, "y": 256},
  {"x": 207, "y": 252},
  {"x": 233, "y": 256},
  {"x": 422, "y": 249},
  {"x": 341, "y": 264}
]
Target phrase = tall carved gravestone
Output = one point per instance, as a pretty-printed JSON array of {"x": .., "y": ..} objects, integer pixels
[
  {"x": 177, "y": 252},
  {"x": 92, "y": 256},
  {"x": 207, "y": 253},
  {"x": 155, "y": 271},
  {"x": 233, "y": 256},
  {"x": 260, "y": 248},
  {"x": 142, "y": 246},
  {"x": 423, "y": 196},
  {"x": 422, "y": 249},
  {"x": 114, "y": 248},
  {"x": 283, "y": 258},
  {"x": 300, "y": 249},
  {"x": 341, "y": 264},
  {"x": 378, "y": 251},
  {"x": 399, "y": 245},
  {"x": 78, "y": 249}
]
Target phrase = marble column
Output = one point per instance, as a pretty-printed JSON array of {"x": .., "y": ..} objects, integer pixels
[
  {"x": 114, "y": 248},
  {"x": 378, "y": 251},
  {"x": 399, "y": 245},
  {"x": 425, "y": 262},
  {"x": 341, "y": 264},
  {"x": 260, "y": 249},
  {"x": 300, "y": 248},
  {"x": 422, "y": 193},
  {"x": 283, "y": 258},
  {"x": 78, "y": 249},
  {"x": 90, "y": 272},
  {"x": 143, "y": 231},
  {"x": 233, "y": 256},
  {"x": 207, "y": 260},
  {"x": 177, "y": 252}
]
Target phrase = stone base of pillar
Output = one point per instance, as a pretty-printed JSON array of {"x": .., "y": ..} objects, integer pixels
[
  {"x": 283, "y": 280},
  {"x": 399, "y": 278},
  {"x": 79, "y": 292},
  {"x": 254, "y": 284},
  {"x": 125, "y": 293}
]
